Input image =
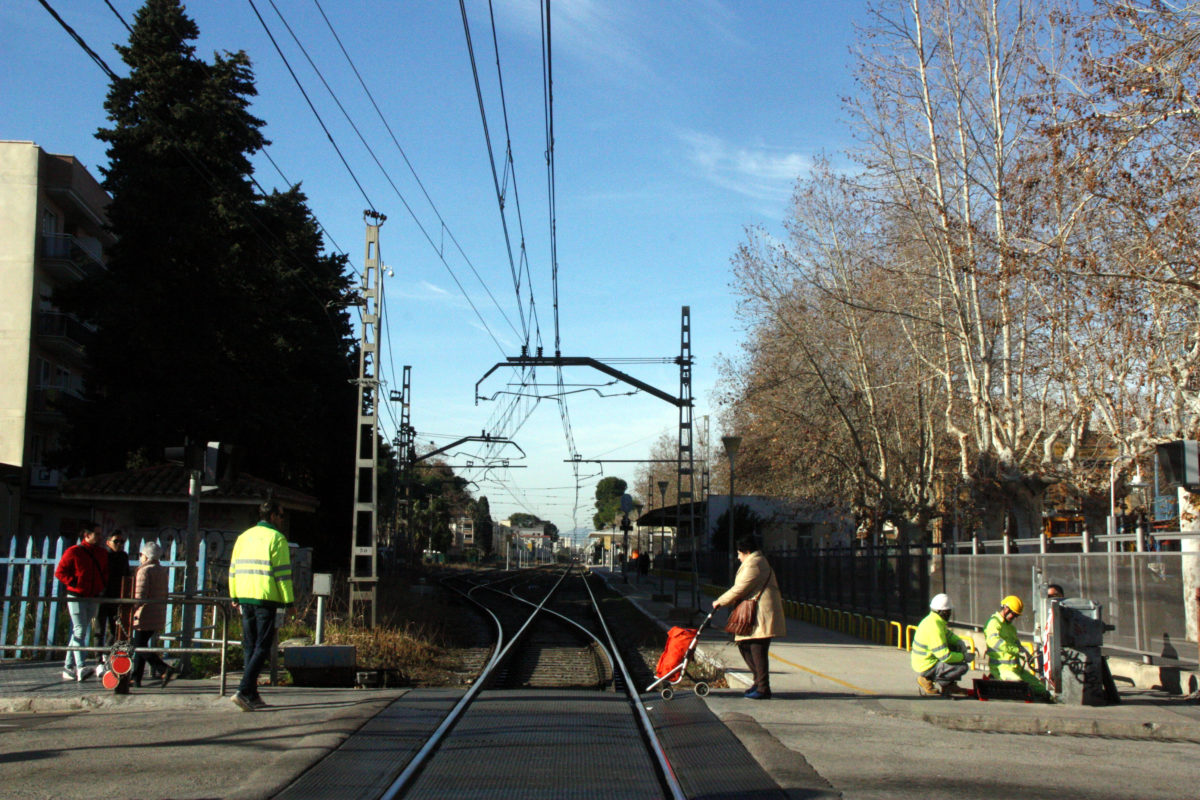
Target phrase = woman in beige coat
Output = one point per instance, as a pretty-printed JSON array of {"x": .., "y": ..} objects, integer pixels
[
  {"x": 150, "y": 616},
  {"x": 754, "y": 576}
]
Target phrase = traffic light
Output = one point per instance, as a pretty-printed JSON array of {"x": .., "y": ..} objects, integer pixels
[
  {"x": 215, "y": 460},
  {"x": 219, "y": 467}
]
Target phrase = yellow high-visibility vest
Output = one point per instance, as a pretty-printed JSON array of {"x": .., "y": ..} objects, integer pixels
[
  {"x": 260, "y": 572},
  {"x": 934, "y": 642}
]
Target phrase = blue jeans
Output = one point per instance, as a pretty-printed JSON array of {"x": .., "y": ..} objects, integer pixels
[
  {"x": 258, "y": 637},
  {"x": 82, "y": 610}
]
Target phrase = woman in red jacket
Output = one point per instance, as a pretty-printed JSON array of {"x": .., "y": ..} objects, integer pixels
[{"x": 83, "y": 570}]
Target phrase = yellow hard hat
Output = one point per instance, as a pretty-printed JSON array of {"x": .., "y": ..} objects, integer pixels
[{"x": 1013, "y": 604}]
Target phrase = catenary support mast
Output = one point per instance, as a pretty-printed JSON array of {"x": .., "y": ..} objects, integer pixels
[
  {"x": 363, "y": 545},
  {"x": 686, "y": 486}
]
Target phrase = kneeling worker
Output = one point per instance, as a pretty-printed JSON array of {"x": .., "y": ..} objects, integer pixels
[
  {"x": 1004, "y": 649},
  {"x": 938, "y": 655}
]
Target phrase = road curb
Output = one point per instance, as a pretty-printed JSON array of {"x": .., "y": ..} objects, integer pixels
[
  {"x": 788, "y": 768},
  {"x": 101, "y": 701},
  {"x": 1038, "y": 725}
]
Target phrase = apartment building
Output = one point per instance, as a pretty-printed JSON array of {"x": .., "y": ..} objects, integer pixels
[
  {"x": 51, "y": 234},
  {"x": 463, "y": 530}
]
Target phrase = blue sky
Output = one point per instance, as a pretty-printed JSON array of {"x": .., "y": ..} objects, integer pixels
[{"x": 677, "y": 124}]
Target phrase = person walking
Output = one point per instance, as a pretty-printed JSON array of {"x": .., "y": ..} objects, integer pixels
[
  {"x": 755, "y": 578},
  {"x": 83, "y": 570},
  {"x": 260, "y": 583},
  {"x": 149, "y": 616},
  {"x": 939, "y": 657},
  {"x": 108, "y": 619}
]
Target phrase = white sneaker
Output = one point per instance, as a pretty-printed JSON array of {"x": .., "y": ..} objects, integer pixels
[
  {"x": 85, "y": 673},
  {"x": 69, "y": 675}
]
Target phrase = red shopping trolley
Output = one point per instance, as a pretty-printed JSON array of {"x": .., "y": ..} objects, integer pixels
[{"x": 673, "y": 663}]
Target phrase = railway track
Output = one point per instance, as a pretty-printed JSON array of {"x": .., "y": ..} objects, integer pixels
[{"x": 551, "y": 713}]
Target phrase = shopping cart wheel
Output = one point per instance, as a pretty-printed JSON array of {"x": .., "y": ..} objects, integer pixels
[
  {"x": 702, "y": 689},
  {"x": 667, "y": 693}
]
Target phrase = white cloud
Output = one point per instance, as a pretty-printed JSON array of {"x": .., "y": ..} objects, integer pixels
[
  {"x": 598, "y": 32},
  {"x": 762, "y": 173}
]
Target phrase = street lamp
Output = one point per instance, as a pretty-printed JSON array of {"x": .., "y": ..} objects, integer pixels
[{"x": 731, "y": 443}]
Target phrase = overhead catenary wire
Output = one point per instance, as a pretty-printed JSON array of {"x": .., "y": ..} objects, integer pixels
[
  {"x": 387, "y": 176},
  {"x": 311, "y": 107},
  {"x": 412, "y": 170}
]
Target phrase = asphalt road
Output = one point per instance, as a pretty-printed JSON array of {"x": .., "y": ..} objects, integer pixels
[
  {"x": 204, "y": 749},
  {"x": 864, "y": 752}
]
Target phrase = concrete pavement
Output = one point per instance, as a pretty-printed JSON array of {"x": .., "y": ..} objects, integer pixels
[
  {"x": 812, "y": 661},
  {"x": 60, "y": 739},
  {"x": 845, "y": 721}
]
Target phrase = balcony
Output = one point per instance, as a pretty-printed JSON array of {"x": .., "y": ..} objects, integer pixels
[
  {"x": 46, "y": 401},
  {"x": 69, "y": 258},
  {"x": 62, "y": 333}
]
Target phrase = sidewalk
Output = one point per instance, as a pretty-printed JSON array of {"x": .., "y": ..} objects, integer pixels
[
  {"x": 812, "y": 662},
  {"x": 182, "y": 741}
]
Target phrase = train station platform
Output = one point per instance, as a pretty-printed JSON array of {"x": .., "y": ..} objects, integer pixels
[{"x": 812, "y": 665}]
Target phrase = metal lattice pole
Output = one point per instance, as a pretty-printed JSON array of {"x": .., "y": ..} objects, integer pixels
[{"x": 364, "y": 531}]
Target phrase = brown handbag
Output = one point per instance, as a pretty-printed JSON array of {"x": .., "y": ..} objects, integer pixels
[{"x": 741, "y": 619}]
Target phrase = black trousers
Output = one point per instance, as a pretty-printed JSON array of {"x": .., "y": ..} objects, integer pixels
[
  {"x": 107, "y": 629},
  {"x": 754, "y": 653},
  {"x": 140, "y": 659}
]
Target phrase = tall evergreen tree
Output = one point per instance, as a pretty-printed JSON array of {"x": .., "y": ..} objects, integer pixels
[
  {"x": 220, "y": 317},
  {"x": 608, "y": 501}
]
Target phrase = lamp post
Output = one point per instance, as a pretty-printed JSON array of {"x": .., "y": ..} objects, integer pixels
[
  {"x": 662, "y": 539},
  {"x": 731, "y": 443}
]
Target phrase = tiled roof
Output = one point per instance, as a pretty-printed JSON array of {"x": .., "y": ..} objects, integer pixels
[{"x": 170, "y": 482}]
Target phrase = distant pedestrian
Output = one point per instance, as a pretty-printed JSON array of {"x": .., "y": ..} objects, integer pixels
[
  {"x": 939, "y": 656},
  {"x": 149, "y": 617},
  {"x": 260, "y": 582},
  {"x": 755, "y": 578},
  {"x": 108, "y": 628},
  {"x": 83, "y": 570}
]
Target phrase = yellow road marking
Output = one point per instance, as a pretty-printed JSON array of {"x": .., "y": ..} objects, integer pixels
[{"x": 822, "y": 675}]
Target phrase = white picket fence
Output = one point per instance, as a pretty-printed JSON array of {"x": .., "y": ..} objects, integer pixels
[{"x": 28, "y": 571}]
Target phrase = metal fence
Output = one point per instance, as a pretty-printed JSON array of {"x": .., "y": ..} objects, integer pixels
[
  {"x": 28, "y": 571},
  {"x": 886, "y": 581},
  {"x": 1141, "y": 594}
]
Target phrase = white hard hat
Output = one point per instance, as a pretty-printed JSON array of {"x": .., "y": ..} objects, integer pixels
[{"x": 940, "y": 602}]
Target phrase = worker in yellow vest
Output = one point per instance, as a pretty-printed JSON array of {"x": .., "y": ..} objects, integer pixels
[
  {"x": 260, "y": 583},
  {"x": 939, "y": 657},
  {"x": 1004, "y": 651}
]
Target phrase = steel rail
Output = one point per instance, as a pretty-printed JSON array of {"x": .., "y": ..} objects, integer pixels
[
  {"x": 422, "y": 756},
  {"x": 667, "y": 773}
]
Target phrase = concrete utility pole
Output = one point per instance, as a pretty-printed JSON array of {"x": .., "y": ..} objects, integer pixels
[{"x": 364, "y": 575}]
